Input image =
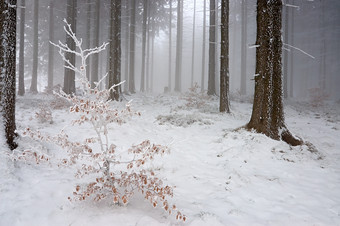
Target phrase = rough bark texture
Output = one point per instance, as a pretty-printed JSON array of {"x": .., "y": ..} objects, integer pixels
[
  {"x": 179, "y": 44},
  {"x": 145, "y": 20},
  {"x": 132, "y": 88},
  {"x": 95, "y": 57},
  {"x": 7, "y": 69},
  {"x": 21, "y": 87},
  {"x": 69, "y": 75},
  {"x": 34, "y": 82},
  {"x": 224, "y": 73},
  {"x": 51, "y": 49},
  {"x": 115, "y": 49},
  {"x": 268, "y": 116},
  {"x": 212, "y": 43}
]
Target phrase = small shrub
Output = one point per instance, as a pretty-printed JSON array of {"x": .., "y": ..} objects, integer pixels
[{"x": 44, "y": 114}]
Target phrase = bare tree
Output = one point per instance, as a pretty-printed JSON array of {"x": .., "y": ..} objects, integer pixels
[
  {"x": 127, "y": 46},
  {"x": 50, "y": 48},
  {"x": 243, "y": 85},
  {"x": 21, "y": 88},
  {"x": 212, "y": 48},
  {"x": 193, "y": 46},
  {"x": 170, "y": 46},
  {"x": 267, "y": 115},
  {"x": 95, "y": 57},
  {"x": 145, "y": 20},
  {"x": 34, "y": 82},
  {"x": 88, "y": 36},
  {"x": 179, "y": 45},
  {"x": 7, "y": 69},
  {"x": 203, "y": 45},
  {"x": 132, "y": 88}
]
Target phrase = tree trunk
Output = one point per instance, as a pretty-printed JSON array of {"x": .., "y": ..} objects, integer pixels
[
  {"x": 170, "y": 46},
  {"x": 285, "y": 53},
  {"x": 291, "y": 62},
  {"x": 148, "y": 53},
  {"x": 243, "y": 87},
  {"x": 127, "y": 46},
  {"x": 145, "y": 20},
  {"x": 203, "y": 45},
  {"x": 132, "y": 88},
  {"x": 7, "y": 69},
  {"x": 178, "y": 74},
  {"x": 267, "y": 116},
  {"x": 95, "y": 57},
  {"x": 21, "y": 88},
  {"x": 51, "y": 50},
  {"x": 34, "y": 82},
  {"x": 115, "y": 49},
  {"x": 212, "y": 47},
  {"x": 88, "y": 37},
  {"x": 193, "y": 46},
  {"x": 69, "y": 75},
  {"x": 224, "y": 73}
]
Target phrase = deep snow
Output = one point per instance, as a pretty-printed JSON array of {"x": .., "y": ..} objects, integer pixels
[{"x": 222, "y": 176}]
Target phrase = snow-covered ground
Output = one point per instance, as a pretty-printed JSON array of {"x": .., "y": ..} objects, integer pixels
[{"x": 222, "y": 175}]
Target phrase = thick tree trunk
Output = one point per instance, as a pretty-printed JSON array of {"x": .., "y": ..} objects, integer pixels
[
  {"x": 285, "y": 53},
  {"x": 224, "y": 73},
  {"x": 212, "y": 47},
  {"x": 69, "y": 75},
  {"x": 132, "y": 88},
  {"x": 267, "y": 116},
  {"x": 203, "y": 46},
  {"x": 21, "y": 88},
  {"x": 179, "y": 44},
  {"x": 51, "y": 49},
  {"x": 145, "y": 20},
  {"x": 34, "y": 82},
  {"x": 95, "y": 57},
  {"x": 7, "y": 69}
]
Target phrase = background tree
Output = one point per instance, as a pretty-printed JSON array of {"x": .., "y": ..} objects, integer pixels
[
  {"x": 50, "y": 48},
  {"x": 267, "y": 115},
  {"x": 170, "y": 46},
  {"x": 145, "y": 20},
  {"x": 212, "y": 48},
  {"x": 88, "y": 36},
  {"x": 34, "y": 82},
  {"x": 193, "y": 46},
  {"x": 21, "y": 80},
  {"x": 69, "y": 75},
  {"x": 7, "y": 69},
  {"x": 244, "y": 15},
  {"x": 224, "y": 73},
  {"x": 132, "y": 88},
  {"x": 179, "y": 44},
  {"x": 95, "y": 57},
  {"x": 203, "y": 45}
]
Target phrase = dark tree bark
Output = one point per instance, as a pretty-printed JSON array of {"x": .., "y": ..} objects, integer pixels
[
  {"x": 193, "y": 46},
  {"x": 95, "y": 57},
  {"x": 69, "y": 75},
  {"x": 179, "y": 44},
  {"x": 7, "y": 69},
  {"x": 51, "y": 49},
  {"x": 21, "y": 88},
  {"x": 115, "y": 49},
  {"x": 243, "y": 85},
  {"x": 212, "y": 48},
  {"x": 268, "y": 116},
  {"x": 127, "y": 46},
  {"x": 203, "y": 45},
  {"x": 145, "y": 20},
  {"x": 132, "y": 88},
  {"x": 170, "y": 46},
  {"x": 34, "y": 82},
  {"x": 224, "y": 73}
]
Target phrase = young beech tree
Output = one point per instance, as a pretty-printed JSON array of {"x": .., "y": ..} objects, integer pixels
[
  {"x": 268, "y": 116},
  {"x": 7, "y": 68}
]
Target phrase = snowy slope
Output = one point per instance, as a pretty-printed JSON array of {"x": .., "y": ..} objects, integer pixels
[{"x": 222, "y": 176}]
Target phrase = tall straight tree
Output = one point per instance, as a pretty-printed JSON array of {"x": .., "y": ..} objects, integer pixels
[
  {"x": 267, "y": 115},
  {"x": 69, "y": 75},
  {"x": 88, "y": 36},
  {"x": 132, "y": 88},
  {"x": 34, "y": 82},
  {"x": 115, "y": 49},
  {"x": 51, "y": 49},
  {"x": 179, "y": 45},
  {"x": 145, "y": 20},
  {"x": 127, "y": 46},
  {"x": 212, "y": 48},
  {"x": 7, "y": 69},
  {"x": 243, "y": 85},
  {"x": 193, "y": 46},
  {"x": 95, "y": 57},
  {"x": 203, "y": 45},
  {"x": 170, "y": 46},
  {"x": 224, "y": 72},
  {"x": 21, "y": 88}
]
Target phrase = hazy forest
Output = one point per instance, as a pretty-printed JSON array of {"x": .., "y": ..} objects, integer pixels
[{"x": 169, "y": 112}]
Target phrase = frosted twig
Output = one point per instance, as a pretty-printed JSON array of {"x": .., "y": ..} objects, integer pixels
[{"x": 284, "y": 44}]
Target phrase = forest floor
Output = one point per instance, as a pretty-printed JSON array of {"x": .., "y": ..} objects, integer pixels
[{"x": 222, "y": 175}]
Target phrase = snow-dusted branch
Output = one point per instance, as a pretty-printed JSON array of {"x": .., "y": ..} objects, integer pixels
[{"x": 285, "y": 45}]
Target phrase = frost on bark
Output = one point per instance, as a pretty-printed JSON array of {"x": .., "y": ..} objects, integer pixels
[
  {"x": 21, "y": 80},
  {"x": 69, "y": 75},
  {"x": 7, "y": 69},
  {"x": 212, "y": 48},
  {"x": 267, "y": 115},
  {"x": 224, "y": 73},
  {"x": 115, "y": 50}
]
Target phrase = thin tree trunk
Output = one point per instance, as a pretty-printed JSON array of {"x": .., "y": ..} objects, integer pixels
[
  {"x": 212, "y": 48},
  {"x": 88, "y": 37},
  {"x": 132, "y": 88},
  {"x": 148, "y": 52},
  {"x": 243, "y": 86},
  {"x": 21, "y": 89},
  {"x": 285, "y": 53},
  {"x": 152, "y": 57},
  {"x": 178, "y": 74},
  {"x": 170, "y": 46},
  {"x": 193, "y": 46},
  {"x": 224, "y": 73},
  {"x": 127, "y": 46},
  {"x": 203, "y": 45},
  {"x": 145, "y": 20},
  {"x": 34, "y": 82},
  {"x": 291, "y": 62},
  {"x": 95, "y": 57},
  {"x": 51, "y": 49}
]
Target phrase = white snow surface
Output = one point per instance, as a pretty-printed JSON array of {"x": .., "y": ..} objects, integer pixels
[{"x": 222, "y": 175}]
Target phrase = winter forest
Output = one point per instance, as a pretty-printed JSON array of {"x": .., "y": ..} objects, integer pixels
[{"x": 169, "y": 112}]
